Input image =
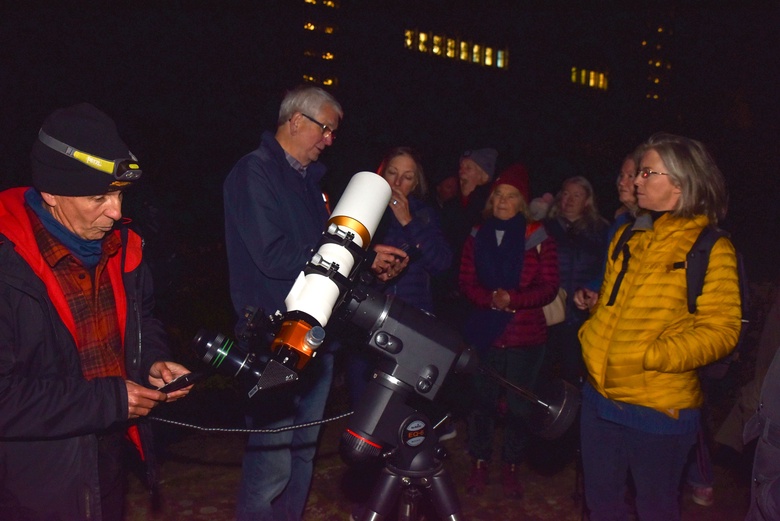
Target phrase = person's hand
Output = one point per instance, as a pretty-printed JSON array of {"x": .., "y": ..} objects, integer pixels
[
  {"x": 163, "y": 372},
  {"x": 389, "y": 261},
  {"x": 585, "y": 299},
  {"x": 141, "y": 400},
  {"x": 500, "y": 300},
  {"x": 399, "y": 204}
]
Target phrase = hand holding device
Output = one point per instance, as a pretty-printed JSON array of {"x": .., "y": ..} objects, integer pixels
[{"x": 180, "y": 382}]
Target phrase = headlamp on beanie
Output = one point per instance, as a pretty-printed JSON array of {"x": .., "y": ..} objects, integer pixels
[
  {"x": 123, "y": 169},
  {"x": 74, "y": 154}
]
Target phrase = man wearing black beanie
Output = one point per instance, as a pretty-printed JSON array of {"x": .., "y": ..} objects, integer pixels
[{"x": 80, "y": 353}]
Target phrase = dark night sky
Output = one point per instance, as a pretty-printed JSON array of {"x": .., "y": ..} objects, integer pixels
[{"x": 192, "y": 84}]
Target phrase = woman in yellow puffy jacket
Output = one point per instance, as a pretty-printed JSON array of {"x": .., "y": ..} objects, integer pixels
[{"x": 641, "y": 346}]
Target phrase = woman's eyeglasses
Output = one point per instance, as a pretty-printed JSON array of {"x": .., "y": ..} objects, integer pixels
[{"x": 646, "y": 172}]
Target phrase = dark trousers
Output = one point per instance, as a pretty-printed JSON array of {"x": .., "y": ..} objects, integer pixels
[
  {"x": 564, "y": 353},
  {"x": 520, "y": 366},
  {"x": 112, "y": 449},
  {"x": 656, "y": 462}
]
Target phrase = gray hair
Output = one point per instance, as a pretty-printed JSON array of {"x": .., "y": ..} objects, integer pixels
[
  {"x": 693, "y": 170},
  {"x": 308, "y": 100}
]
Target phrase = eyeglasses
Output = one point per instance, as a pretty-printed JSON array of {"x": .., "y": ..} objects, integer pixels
[
  {"x": 327, "y": 132},
  {"x": 646, "y": 172},
  {"x": 125, "y": 169}
]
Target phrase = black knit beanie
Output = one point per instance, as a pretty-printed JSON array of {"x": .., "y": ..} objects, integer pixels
[{"x": 89, "y": 130}]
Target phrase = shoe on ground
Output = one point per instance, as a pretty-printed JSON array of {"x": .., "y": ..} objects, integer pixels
[
  {"x": 703, "y": 496},
  {"x": 447, "y": 431},
  {"x": 478, "y": 479},
  {"x": 510, "y": 481}
]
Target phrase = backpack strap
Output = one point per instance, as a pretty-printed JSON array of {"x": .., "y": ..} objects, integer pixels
[
  {"x": 625, "y": 235},
  {"x": 697, "y": 261},
  {"x": 621, "y": 245}
]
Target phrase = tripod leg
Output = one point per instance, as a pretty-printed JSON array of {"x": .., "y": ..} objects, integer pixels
[
  {"x": 444, "y": 497},
  {"x": 410, "y": 500},
  {"x": 384, "y": 496}
]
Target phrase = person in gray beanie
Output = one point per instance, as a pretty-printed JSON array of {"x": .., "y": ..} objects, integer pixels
[
  {"x": 80, "y": 352},
  {"x": 476, "y": 169}
]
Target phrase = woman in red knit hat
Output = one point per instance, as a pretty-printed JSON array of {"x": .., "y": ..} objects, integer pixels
[{"x": 509, "y": 271}]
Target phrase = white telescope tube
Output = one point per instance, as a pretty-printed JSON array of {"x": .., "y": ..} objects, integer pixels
[{"x": 358, "y": 212}]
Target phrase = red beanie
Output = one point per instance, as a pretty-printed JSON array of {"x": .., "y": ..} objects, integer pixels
[{"x": 515, "y": 175}]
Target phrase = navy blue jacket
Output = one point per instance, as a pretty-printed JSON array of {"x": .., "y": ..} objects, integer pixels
[
  {"x": 429, "y": 253},
  {"x": 274, "y": 218},
  {"x": 580, "y": 258}
]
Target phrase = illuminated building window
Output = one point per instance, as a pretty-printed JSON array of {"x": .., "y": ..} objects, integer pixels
[
  {"x": 464, "y": 51},
  {"x": 422, "y": 42},
  {"x": 476, "y": 55},
  {"x": 454, "y": 48},
  {"x": 588, "y": 78},
  {"x": 437, "y": 48},
  {"x": 502, "y": 59},
  {"x": 325, "y": 3},
  {"x": 311, "y": 26},
  {"x": 409, "y": 37},
  {"x": 329, "y": 81}
]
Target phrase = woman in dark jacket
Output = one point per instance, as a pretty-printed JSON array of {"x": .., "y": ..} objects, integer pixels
[
  {"x": 412, "y": 225},
  {"x": 509, "y": 271},
  {"x": 581, "y": 236}
]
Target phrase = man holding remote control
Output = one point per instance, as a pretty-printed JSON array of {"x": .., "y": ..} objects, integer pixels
[{"x": 80, "y": 352}]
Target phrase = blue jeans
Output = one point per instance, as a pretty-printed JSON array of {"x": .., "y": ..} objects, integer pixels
[
  {"x": 656, "y": 462},
  {"x": 277, "y": 468}
]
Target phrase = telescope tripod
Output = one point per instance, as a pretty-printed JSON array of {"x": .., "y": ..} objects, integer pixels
[
  {"x": 411, "y": 472},
  {"x": 384, "y": 424}
]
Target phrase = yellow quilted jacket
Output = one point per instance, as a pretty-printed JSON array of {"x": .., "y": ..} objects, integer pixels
[{"x": 645, "y": 347}]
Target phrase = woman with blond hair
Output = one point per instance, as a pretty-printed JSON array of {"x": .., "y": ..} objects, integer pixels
[{"x": 581, "y": 236}]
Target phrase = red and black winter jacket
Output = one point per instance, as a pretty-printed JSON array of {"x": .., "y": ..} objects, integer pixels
[{"x": 50, "y": 414}]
